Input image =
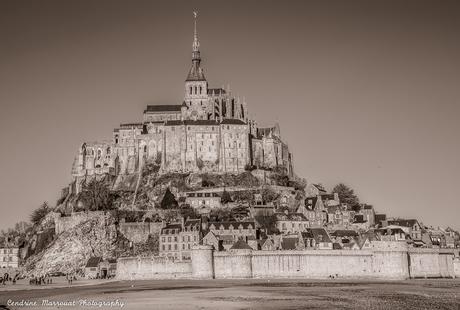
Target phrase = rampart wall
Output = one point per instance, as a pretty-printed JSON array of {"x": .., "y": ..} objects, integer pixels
[
  {"x": 381, "y": 262},
  {"x": 130, "y": 268}
]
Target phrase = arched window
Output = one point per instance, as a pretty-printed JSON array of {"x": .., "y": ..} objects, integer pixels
[
  {"x": 99, "y": 153},
  {"x": 195, "y": 90},
  {"x": 190, "y": 90},
  {"x": 200, "y": 90}
]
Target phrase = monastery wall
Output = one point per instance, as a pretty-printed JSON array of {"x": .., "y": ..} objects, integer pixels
[{"x": 130, "y": 268}]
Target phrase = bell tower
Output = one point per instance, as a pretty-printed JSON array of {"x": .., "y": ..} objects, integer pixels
[{"x": 196, "y": 86}]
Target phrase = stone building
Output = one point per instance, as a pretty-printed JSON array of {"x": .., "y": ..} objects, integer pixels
[
  {"x": 9, "y": 257},
  {"x": 208, "y": 131},
  {"x": 291, "y": 223},
  {"x": 177, "y": 239}
]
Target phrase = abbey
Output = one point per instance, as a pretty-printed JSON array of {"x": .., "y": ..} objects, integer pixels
[{"x": 208, "y": 132}]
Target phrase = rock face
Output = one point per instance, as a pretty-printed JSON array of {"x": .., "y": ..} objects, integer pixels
[{"x": 70, "y": 251}]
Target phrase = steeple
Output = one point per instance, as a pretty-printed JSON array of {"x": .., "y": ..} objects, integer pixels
[{"x": 195, "y": 73}]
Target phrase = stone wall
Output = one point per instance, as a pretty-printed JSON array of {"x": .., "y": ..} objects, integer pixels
[
  {"x": 130, "y": 268},
  {"x": 391, "y": 260},
  {"x": 431, "y": 263},
  {"x": 139, "y": 232}
]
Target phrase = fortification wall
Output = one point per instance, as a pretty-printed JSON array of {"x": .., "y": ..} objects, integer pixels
[
  {"x": 139, "y": 232},
  {"x": 431, "y": 263},
  {"x": 130, "y": 268},
  {"x": 456, "y": 267},
  {"x": 381, "y": 262}
]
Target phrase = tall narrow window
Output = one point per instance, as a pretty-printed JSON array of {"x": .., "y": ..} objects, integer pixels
[
  {"x": 195, "y": 90},
  {"x": 200, "y": 90},
  {"x": 190, "y": 90}
]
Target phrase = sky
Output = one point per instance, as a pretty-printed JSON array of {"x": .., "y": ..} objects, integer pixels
[{"x": 365, "y": 92}]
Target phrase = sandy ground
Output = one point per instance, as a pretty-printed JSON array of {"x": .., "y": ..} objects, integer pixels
[{"x": 246, "y": 294}]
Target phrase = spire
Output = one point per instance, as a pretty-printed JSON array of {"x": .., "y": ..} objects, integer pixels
[
  {"x": 195, "y": 73},
  {"x": 196, "y": 44}
]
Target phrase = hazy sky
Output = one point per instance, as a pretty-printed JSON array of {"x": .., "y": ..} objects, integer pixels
[{"x": 366, "y": 92}]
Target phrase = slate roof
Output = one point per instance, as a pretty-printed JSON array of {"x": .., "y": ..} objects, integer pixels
[
  {"x": 290, "y": 217},
  {"x": 216, "y": 91},
  {"x": 196, "y": 73},
  {"x": 232, "y": 121},
  {"x": 240, "y": 245},
  {"x": 344, "y": 233},
  {"x": 359, "y": 218},
  {"x": 192, "y": 222},
  {"x": 163, "y": 108},
  {"x": 171, "y": 226},
  {"x": 234, "y": 223},
  {"x": 289, "y": 243},
  {"x": 200, "y": 122},
  {"x": 93, "y": 261},
  {"x": 403, "y": 222},
  {"x": 320, "y": 234},
  {"x": 336, "y": 246},
  {"x": 310, "y": 202}
]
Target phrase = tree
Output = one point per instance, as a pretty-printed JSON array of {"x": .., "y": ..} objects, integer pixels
[
  {"x": 346, "y": 194},
  {"x": 96, "y": 195},
  {"x": 269, "y": 195},
  {"x": 39, "y": 214},
  {"x": 225, "y": 197},
  {"x": 169, "y": 200},
  {"x": 267, "y": 222}
]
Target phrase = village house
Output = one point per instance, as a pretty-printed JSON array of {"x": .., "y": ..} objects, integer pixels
[
  {"x": 414, "y": 229},
  {"x": 344, "y": 236},
  {"x": 392, "y": 233},
  {"x": 291, "y": 223},
  {"x": 92, "y": 268},
  {"x": 314, "y": 211},
  {"x": 177, "y": 239},
  {"x": 340, "y": 216},
  {"x": 170, "y": 241},
  {"x": 9, "y": 257},
  {"x": 203, "y": 201}
]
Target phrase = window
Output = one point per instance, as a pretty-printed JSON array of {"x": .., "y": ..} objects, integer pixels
[
  {"x": 195, "y": 90},
  {"x": 188, "y": 238},
  {"x": 175, "y": 239},
  {"x": 188, "y": 246},
  {"x": 163, "y": 247},
  {"x": 163, "y": 239},
  {"x": 175, "y": 247},
  {"x": 190, "y": 90},
  {"x": 169, "y": 247},
  {"x": 183, "y": 246},
  {"x": 169, "y": 239},
  {"x": 200, "y": 89}
]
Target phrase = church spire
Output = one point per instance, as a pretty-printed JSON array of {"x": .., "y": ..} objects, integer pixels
[
  {"x": 195, "y": 73},
  {"x": 196, "y": 44}
]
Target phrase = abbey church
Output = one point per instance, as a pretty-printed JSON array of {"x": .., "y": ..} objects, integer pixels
[{"x": 208, "y": 132}]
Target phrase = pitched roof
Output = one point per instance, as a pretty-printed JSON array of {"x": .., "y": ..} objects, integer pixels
[
  {"x": 163, "y": 108},
  {"x": 93, "y": 261},
  {"x": 235, "y": 224},
  {"x": 232, "y": 121},
  {"x": 320, "y": 234},
  {"x": 240, "y": 245},
  {"x": 192, "y": 222},
  {"x": 196, "y": 73},
  {"x": 171, "y": 226},
  {"x": 403, "y": 222},
  {"x": 290, "y": 217},
  {"x": 344, "y": 233},
  {"x": 216, "y": 91},
  {"x": 289, "y": 243},
  {"x": 336, "y": 246}
]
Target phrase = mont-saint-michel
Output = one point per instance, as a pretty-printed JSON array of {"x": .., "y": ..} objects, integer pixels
[{"x": 198, "y": 199}]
